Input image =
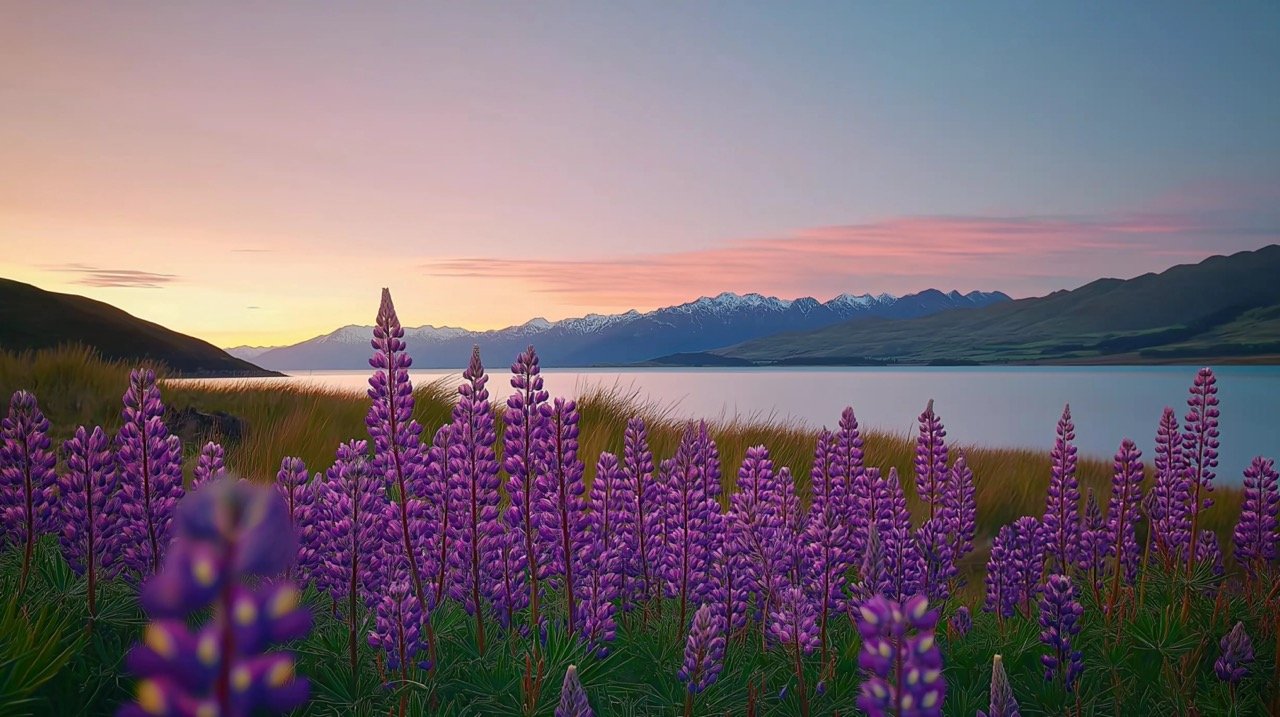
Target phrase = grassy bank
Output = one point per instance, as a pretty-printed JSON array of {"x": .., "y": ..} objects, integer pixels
[{"x": 75, "y": 387}]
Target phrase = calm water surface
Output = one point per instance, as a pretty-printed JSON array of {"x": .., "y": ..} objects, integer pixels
[{"x": 994, "y": 406}]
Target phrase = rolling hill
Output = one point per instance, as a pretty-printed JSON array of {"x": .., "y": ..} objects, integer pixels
[
  {"x": 32, "y": 318},
  {"x": 1225, "y": 307}
]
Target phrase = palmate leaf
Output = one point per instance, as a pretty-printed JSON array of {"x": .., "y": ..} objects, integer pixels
[
  {"x": 36, "y": 642},
  {"x": 1163, "y": 633}
]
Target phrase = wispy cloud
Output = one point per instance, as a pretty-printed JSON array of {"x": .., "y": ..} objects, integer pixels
[
  {"x": 115, "y": 278},
  {"x": 1025, "y": 254}
]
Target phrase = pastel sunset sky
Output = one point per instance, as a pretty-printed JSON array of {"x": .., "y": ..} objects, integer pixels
[{"x": 255, "y": 172}]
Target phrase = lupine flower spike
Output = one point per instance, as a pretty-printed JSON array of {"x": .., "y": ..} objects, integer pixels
[
  {"x": 563, "y": 520},
  {"x": 1060, "y": 613},
  {"x": 150, "y": 467},
  {"x": 573, "y": 699},
  {"x": 931, "y": 460},
  {"x": 703, "y": 654},
  {"x": 793, "y": 623},
  {"x": 1122, "y": 516},
  {"x": 1200, "y": 450},
  {"x": 226, "y": 532},
  {"x": 211, "y": 464},
  {"x": 1236, "y": 652},
  {"x": 1255, "y": 535},
  {"x": 522, "y": 445},
  {"x": 901, "y": 659},
  {"x": 88, "y": 509},
  {"x": 26, "y": 477},
  {"x": 1062, "y": 508},
  {"x": 1003, "y": 703}
]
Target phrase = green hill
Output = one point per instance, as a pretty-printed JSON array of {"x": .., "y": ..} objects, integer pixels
[
  {"x": 32, "y": 318},
  {"x": 1224, "y": 308}
]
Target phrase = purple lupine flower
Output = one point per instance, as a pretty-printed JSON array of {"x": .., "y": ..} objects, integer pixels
[
  {"x": 729, "y": 570},
  {"x": 794, "y": 520},
  {"x": 1003, "y": 703},
  {"x": 27, "y": 477},
  {"x": 1236, "y": 649},
  {"x": 150, "y": 469},
  {"x": 1200, "y": 450},
  {"x": 962, "y": 621},
  {"x": 960, "y": 508},
  {"x": 1170, "y": 500},
  {"x": 86, "y": 503},
  {"x": 758, "y": 525},
  {"x": 1255, "y": 535},
  {"x": 703, "y": 650},
  {"x": 689, "y": 526},
  {"x": 1123, "y": 514},
  {"x": 793, "y": 623},
  {"x": 933, "y": 541},
  {"x": 641, "y": 494},
  {"x": 1062, "y": 506},
  {"x": 1094, "y": 544},
  {"x": 573, "y": 699},
  {"x": 226, "y": 532},
  {"x": 1026, "y": 562},
  {"x": 931, "y": 460},
  {"x": 310, "y": 515},
  {"x": 473, "y": 494},
  {"x": 505, "y": 565},
  {"x": 873, "y": 577},
  {"x": 563, "y": 520},
  {"x": 847, "y": 470},
  {"x": 904, "y": 564},
  {"x": 398, "y": 454},
  {"x": 827, "y": 552},
  {"x": 1060, "y": 613},
  {"x": 901, "y": 659},
  {"x": 709, "y": 461},
  {"x": 356, "y": 512},
  {"x": 1208, "y": 552},
  {"x": 892, "y": 504},
  {"x": 522, "y": 445},
  {"x": 435, "y": 514},
  {"x": 291, "y": 481},
  {"x": 399, "y": 624},
  {"x": 609, "y": 524},
  {"x": 1000, "y": 591},
  {"x": 211, "y": 465}
]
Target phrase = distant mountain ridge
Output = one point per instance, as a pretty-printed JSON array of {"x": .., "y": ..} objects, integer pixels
[
  {"x": 32, "y": 318},
  {"x": 1223, "y": 308},
  {"x": 626, "y": 338}
]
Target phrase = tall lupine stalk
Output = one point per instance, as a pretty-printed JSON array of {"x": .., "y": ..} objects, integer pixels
[
  {"x": 434, "y": 561},
  {"x": 355, "y": 511},
  {"x": 398, "y": 455},
  {"x": 522, "y": 446},
  {"x": 901, "y": 659},
  {"x": 211, "y": 465},
  {"x": 729, "y": 571},
  {"x": 703, "y": 654},
  {"x": 904, "y": 564},
  {"x": 291, "y": 482},
  {"x": 150, "y": 467},
  {"x": 933, "y": 541},
  {"x": 794, "y": 520},
  {"x": 758, "y": 525},
  {"x": 828, "y": 551},
  {"x": 311, "y": 517},
  {"x": 230, "y": 534},
  {"x": 690, "y": 516},
  {"x": 847, "y": 470},
  {"x": 1200, "y": 451},
  {"x": 1170, "y": 497},
  {"x": 1123, "y": 515},
  {"x": 1093, "y": 545},
  {"x": 473, "y": 493},
  {"x": 709, "y": 461},
  {"x": 793, "y": 623},
  {"x": 640, "y": 489},
  {"x": 563, "y": 519},
  {"x": 27, "y": 477},
  {"x": 931, "y": 460},
  {"x": 86, "y": 504},
  {"x": 1062, "y": 506},
  {"x": 1000, "y": 591},
  {"x": 1060, "y": 613},
  {"x": 1255, "y": 535},
  {"x": 399, "y": 626},
  {"x": 959, "y": 517},
  {"x": 611, "y": 525},
  {"x": 1026, "y": 562}
]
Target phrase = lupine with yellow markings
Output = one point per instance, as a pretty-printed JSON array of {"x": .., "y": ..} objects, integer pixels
[
  {"x": 230, "y": 535},
  {"x": 900, "y": 658}
]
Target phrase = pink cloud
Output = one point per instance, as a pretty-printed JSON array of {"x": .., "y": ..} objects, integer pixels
[{"x": 1018, "y": 254}]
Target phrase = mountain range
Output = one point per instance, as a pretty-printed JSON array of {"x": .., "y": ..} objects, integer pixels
[
  {"x": 618, "y": 339},
  {"x": 32, "y": 318},
  {"x": 1222, "y": 308}
]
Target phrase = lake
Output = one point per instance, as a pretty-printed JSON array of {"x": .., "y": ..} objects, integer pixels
[{"x": 995, "y": 406}]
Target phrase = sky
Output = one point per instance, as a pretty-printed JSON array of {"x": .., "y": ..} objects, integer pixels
[{"x": 254, "y": 173}]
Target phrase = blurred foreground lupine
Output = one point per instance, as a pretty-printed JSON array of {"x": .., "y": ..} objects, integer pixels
[
  {"x": 901, "y": 659},
  {"x": 573, "y": 699},
  {"x": 26, "y": 478},
  {"x": 228, "y": 532}
]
